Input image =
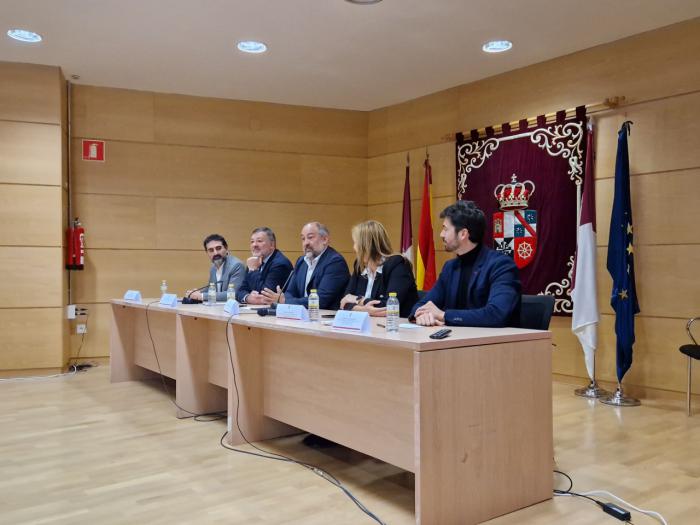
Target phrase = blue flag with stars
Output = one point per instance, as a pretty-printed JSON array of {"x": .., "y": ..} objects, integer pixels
[{"x": 621, "y": 257}]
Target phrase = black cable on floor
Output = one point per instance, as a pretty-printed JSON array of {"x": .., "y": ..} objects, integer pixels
[
  {"x": 267, "y": 454},
  {"x": 213, "y": 416}
]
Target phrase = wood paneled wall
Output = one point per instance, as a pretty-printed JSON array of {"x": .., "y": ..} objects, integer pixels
[
  {"x": 179, "y": 167},
  {"x": 659, "y": 74},
  {"x": 32, "y": 200}
]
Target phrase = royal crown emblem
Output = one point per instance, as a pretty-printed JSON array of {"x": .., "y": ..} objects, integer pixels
[
  {"x": 515, "y": 227},
  {"x": 514, "y": 196}
]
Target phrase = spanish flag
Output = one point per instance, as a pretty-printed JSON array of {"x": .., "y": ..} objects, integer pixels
[{"x": 425, "y": 261}]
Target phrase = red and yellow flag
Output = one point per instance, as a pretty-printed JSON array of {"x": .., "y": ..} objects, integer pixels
[{"x": 425, "y": 261}]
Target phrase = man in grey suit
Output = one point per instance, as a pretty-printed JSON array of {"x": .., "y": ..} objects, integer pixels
[{"x": 225, "y": 268}]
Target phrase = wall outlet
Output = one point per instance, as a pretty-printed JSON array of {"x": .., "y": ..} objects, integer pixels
[
  {"x": 70, "y": 311},
  {"x": 81, "y": 328}
]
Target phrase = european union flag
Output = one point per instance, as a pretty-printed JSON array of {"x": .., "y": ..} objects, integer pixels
[{"x": 621, "y": 257}]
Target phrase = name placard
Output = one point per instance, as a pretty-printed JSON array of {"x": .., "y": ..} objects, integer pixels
[
  {"x": 232, "y": 307},
  {"x": 169, "y": 300},
  {"x": 292, "y": 311},
  {"x": 349, "y": 320},
  {"x": 132, "y": 295}
]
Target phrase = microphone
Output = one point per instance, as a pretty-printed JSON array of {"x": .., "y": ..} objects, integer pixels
[
  {"x": 270, "y": 310},
  {"x": 289, "y": 278},
  {"x": 188, "y": 300}
]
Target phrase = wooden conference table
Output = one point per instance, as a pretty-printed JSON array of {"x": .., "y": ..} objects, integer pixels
[{"x": 470, "y": 415}]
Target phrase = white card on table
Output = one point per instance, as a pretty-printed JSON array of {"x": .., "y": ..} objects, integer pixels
[
  {"x": 292, "y": 311},
  {"x": 349, "y": 320},
  {"x": 132, "y": 295},
  {"x": 169, "y": 300},
  {"x": 232, "y": 307}
]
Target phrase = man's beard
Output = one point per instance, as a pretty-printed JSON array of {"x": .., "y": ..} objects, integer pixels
[
  {"x": 450, "y": 247},
  {"x": 218, "y": 260}
]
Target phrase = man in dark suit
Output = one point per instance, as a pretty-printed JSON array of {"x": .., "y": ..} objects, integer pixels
[
  {"x": 225, "y": 268},
  {"x": 267, "y": 267},
  {"x": 320, "y": 268},
  {"x": 480, "y": 287}
]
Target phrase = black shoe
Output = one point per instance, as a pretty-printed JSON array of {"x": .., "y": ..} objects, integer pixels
[{"x": 314, "y": 441}]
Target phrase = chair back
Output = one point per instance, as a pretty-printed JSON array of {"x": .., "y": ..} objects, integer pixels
[{"x": 536, "y": 311}]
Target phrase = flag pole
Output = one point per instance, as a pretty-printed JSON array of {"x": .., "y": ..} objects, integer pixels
[
  {"x": 592, "y": 391},
  {"x": 619, "y": 399},
  {"x": 620, "y": 265}
]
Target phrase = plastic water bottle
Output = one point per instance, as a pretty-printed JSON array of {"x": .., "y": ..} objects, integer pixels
[
  {"x": 392, "y": 313},
  {"x": 163, "y": 288},
  {"x": 231, "y": 293},
  {"x": 314, "y": 311},
  {"x": 211, "y": 295}
]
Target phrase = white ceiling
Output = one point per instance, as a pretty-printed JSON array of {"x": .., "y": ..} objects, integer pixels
[{"x": 326, "y": 53}]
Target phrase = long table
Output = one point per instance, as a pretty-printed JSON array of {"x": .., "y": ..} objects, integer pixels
[{"x": 470, "y": 415}]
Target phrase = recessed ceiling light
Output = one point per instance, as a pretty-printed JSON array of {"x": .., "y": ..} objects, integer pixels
[
  {"x": 24, "y": 36},
  {"x": 251, "y": 46},
  {"x": 497, "y": 46},
  {"x": 363, "y": 2}
]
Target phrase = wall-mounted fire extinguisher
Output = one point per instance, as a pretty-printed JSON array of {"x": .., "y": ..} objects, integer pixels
[{"x": 75, "y": 246}]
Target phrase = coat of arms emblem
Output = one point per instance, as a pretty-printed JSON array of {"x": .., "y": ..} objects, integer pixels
[{"x": 514, "y": 226}]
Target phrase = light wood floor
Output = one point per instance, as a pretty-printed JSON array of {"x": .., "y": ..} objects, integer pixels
[{"x": 81, "y": 450}]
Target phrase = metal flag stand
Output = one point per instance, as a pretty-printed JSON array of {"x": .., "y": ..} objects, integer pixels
[
  {"x": 619, "y": 399},
  {"x": 592, "y": 391}
]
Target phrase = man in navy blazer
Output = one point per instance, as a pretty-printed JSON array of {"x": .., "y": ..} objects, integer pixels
[
  {"x": 320, "y": 268},
  {"x": 267, "y": 267},
  {"x": 480, "y": 287}
]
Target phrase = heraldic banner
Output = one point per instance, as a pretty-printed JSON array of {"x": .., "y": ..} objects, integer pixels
[{"x": 527, "y": 181}]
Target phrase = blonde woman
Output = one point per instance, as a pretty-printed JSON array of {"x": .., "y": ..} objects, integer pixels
[{"x": 377, "y": 273}]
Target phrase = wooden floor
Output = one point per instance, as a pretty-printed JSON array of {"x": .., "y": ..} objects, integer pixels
[{"x": 81, "y": 450}]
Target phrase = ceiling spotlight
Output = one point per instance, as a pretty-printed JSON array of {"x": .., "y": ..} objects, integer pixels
[
  {"x": 363, "y": 2},
  {"x": 24, "y": 36},
  {"x": 251, "y": 46},
  {"x": 497, "y": 46}
]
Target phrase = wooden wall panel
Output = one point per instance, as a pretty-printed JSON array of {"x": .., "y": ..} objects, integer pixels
[
  {"x": 657, "y": 362},
  {"x": 386, "y": 174},
  {"x": 114, "y": 221},
  {"x": 109, "y": 273},
  {"x": 32, "y": 338},
  {"x": 30, "y": 93},
  {"x": 150, "y": 223},
  {"x": 195, "y": 172},
  {"x": 421, "y": 121},
  {"x": 30, "y": 215},
  {"x": 96, "y": 341},
  {"x": 664, "y": 205},
  {"x": 665, "y": 135},
  {"x": 30, "y": 153},
  {"x": 181, "y": 226},
  {"x": 33, "y": 276},
  {"x": 240, "y": 124},
  {"x": 110, "y": 113}
]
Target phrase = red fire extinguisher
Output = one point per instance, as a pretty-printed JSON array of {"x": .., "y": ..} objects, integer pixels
[{"x": 75, "y": 246}]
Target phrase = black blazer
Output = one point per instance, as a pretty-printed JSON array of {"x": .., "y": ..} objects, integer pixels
[
  {"x": 396, "y": 276},
  {"x": 273, "y": 274}
]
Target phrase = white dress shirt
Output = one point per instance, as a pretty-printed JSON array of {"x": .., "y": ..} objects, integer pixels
[
  {"x": 371, "y": 277},
  {"x": 311, "y": 264}
]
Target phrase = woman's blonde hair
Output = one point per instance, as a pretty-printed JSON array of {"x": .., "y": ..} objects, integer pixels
[{"x": 372, "y": 243}]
